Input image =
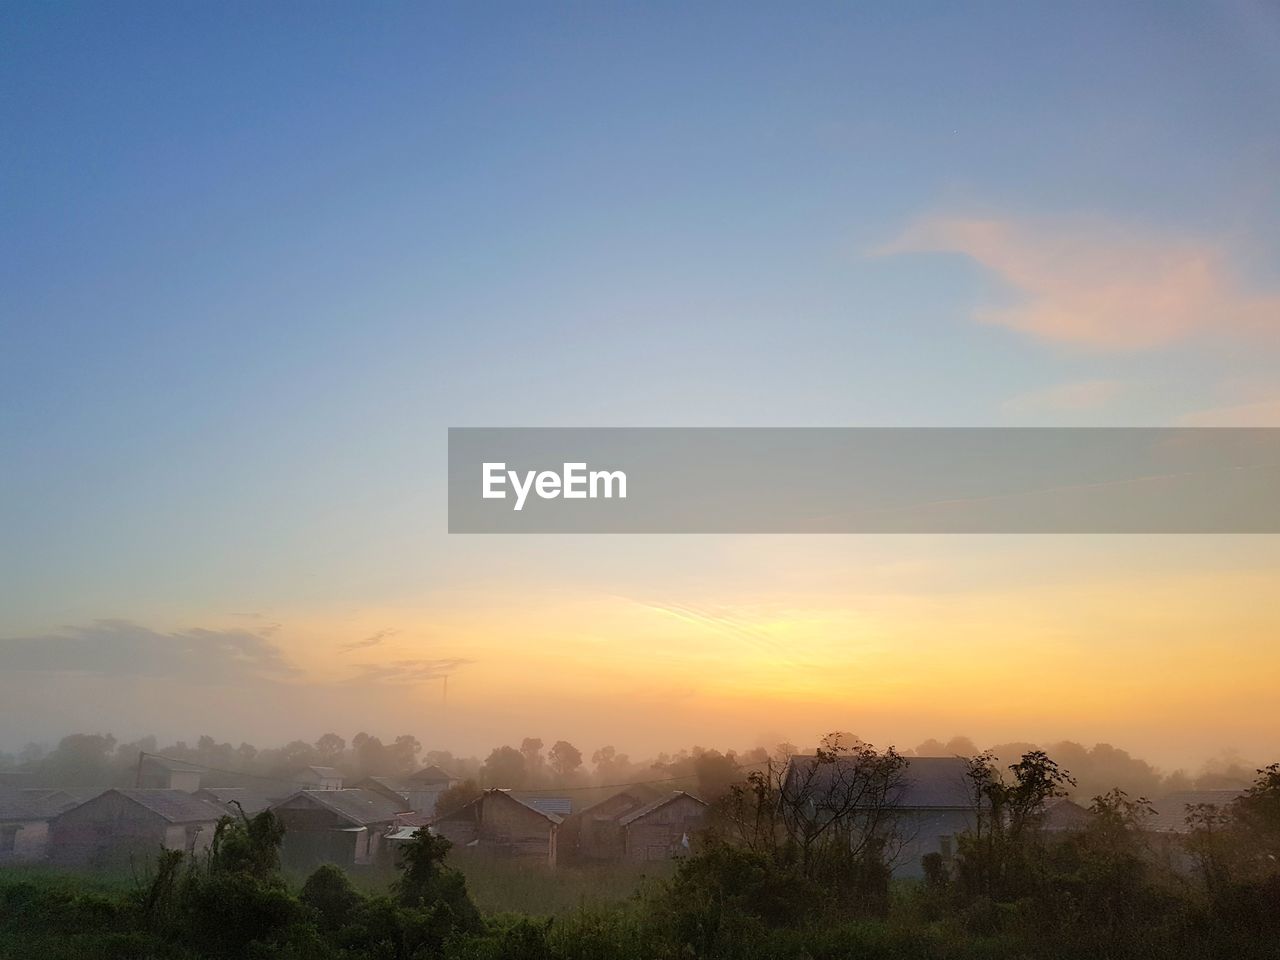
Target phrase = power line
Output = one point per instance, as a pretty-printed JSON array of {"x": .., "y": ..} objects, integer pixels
[{"x": 551, "y": 790}]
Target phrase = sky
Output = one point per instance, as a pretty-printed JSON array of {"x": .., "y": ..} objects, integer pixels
[{"x": 255, "y": 260}]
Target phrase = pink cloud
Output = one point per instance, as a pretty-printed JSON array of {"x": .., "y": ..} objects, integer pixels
[{"x": 1099, "y": 285}]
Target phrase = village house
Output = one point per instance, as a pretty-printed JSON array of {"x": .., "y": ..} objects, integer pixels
[
  {"x": 1168, "y": 827},
  {"x": 663, "y": 828},
  {"x": 1170, "y": 812},
  {"x": 164, "y": 773},
  {"x": 927, "y": 806},
  {"x": 1064, "y": 816},
  {"x": 420, "y": 791},
  {"x": 24, "y": 822},
  {"x": 498, "y": 824},
  {"x": 319, "y": 778},
  {"x": 123, "y": 823},
  {"x": 345, "y": 827},
  {"x": 594, "y": 834},
  {"x": 426, "y": 785}
]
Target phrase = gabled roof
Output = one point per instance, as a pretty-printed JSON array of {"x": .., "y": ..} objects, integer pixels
[
  {"x": 34, "y": 803},
  {"x": 1170, "y": 814},
  {"x": 505, "y": 795},
  {"x": 621, "y": 803},
  {"x": 392, "y": 784},
  {"x": 431, "y": 774},
  {"x": 172, "y": 765},
  {"x": 174, "y": 806},
  {"x": 362, "y": 807},
  {"x": 252, "y": 802},
  {"x": 654, "y": 805},
  {"x": 560, "y": 806},
  {"x": 927, "y": 783}
]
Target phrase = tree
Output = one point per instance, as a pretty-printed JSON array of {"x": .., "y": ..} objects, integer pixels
[
  {"x": 457, "y": 796},
  {"x": 564, "y": 758},
  {"x": 531, "y": 750},
  {"x": 831, "y": 817},
  {"x": 80, "y": 759},
  {"x": 716, "y": 773},
  {"x": 329, "y": 748},
  {"x": 504, "y": 767},
  {"x": 404, "y": 753},
  {"x": 1000, "y": 857}
]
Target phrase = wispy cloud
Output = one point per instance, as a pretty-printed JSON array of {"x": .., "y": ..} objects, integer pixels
[
  {"x": 1066, "y": 397},
  {"x": 1258, "y": 413},
  {"x": 1099, "y": 284},
  {"x": 408, "y": 671},
  {"x": 120, "y": 648},
  {"x": 370, "y": 641}
]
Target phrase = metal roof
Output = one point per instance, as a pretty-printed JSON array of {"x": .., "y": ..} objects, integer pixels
[
  {"x": 560, "y": 806},
  {"x": 658, "y": 804},
  {"x": 927, "y": 783},
  {"x": 353, "y": 804},
  {"x": 431, "y": 774}
]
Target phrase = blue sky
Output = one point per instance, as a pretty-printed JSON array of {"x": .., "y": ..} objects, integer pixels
[{"x": 257, "y": 258}]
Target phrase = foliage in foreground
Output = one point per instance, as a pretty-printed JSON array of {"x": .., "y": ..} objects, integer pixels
[{"x": 1013, "y": 891}]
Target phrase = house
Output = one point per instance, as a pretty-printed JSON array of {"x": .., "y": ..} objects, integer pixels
[
  {"x": 345, "y": 827},
  {"x": 595, "y": 831},
  {"x": 425, "y": 788},
  {"x": 24, "y": 822},
  {"x": 421, "y": 796},
  {"x": 165, "y": 773},
  {"x": 1169, "y": 813},
  {"x": 1064, "y": 816},
  {"x": 928, "y": 804},
  {"x": 122, "y": 824},
  {"x": 237, "y": 800},
  {"x": 663, "y": 828},
  {"x": 319, "y": 778},
  {"x": 499, "y": 824}
]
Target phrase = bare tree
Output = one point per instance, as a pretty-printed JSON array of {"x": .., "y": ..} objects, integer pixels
[{"x": 820, "y": 813}]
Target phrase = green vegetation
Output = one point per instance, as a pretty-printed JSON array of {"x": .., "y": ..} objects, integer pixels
[{"x": 1103, "y": 892}]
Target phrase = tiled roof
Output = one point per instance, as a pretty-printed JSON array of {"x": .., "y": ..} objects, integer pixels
[
  {"x": 431, "y": 774},
  {"x": 252, "y": 802},
  {"x": 1171, "y": 810},
  {"x": 358, "y": 806},
  {"x": 174, "y": 806},
  {"x": 620, "y": 804},
  {"x": 395, "y": 785},
  {"x": 658, "y": 804}
]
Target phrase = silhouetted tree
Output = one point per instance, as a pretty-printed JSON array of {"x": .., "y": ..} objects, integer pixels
[
  {"x": 504, "y": 767},
  {"x": 564, "y": 758}
]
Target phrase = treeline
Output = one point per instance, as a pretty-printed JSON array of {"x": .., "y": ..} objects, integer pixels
[
  {"x": 94, "y": 760},
  {"x": 1105, "y": 891}
]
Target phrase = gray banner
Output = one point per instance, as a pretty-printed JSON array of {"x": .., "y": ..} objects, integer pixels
[{"x": 864, "y": 480}]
